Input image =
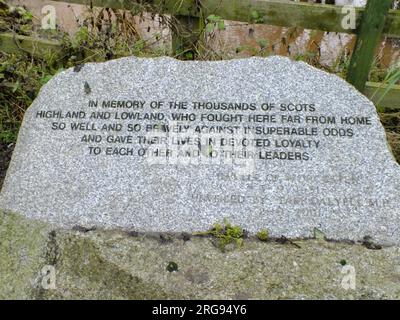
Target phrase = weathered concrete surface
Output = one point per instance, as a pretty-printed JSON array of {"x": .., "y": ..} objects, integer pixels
[{"x": 115, "y": 265}]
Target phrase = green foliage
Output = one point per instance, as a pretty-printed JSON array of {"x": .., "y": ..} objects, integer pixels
[
  {"x": 20, "y": 81},
  {"x": 27, "y": 16},
  {"x": 263, "y": 235},
  {"x": 255, "y": 17},
  {"x": 81, "y": 37},
  {"x": 214, "y": 22},
  {"x": 7, "y": 136},
  {"x": 226, "y": 234},
  {"x": 139, "y": 46},
  {"x": 16, "y": 18},
  {"x": 189, "y": 55},
  {"x": 46, "y": 79},
  {"x": 377, "y": 72},
  {"x": 263, "y": 43},
  {"x": 306, "y": 57},
  {"x": 22, "y": 75},
  {"x": 99, "y": 39},
  {"x": 391, "y": 79}
]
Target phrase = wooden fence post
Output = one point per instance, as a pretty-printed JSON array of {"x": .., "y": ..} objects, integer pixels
[{"x": 368, "y": 38}]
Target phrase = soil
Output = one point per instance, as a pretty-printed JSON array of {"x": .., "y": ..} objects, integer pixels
[
  {"x": 394, "y": 141},
  {"x": 391, "y": 122},
  {"x": 5, "y": 157}
]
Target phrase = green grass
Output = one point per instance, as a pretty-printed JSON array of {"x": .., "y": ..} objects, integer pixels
[
  {"x": 391, "y": 79},
  {"x": 21, "y": 79},
  {"x": 225, "y": 233}
]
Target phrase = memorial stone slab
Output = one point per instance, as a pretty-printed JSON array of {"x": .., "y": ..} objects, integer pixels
[{"x": 163, "y": 145}]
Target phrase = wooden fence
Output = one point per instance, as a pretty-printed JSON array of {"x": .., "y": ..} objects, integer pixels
[{"x": 372, "y": 22}]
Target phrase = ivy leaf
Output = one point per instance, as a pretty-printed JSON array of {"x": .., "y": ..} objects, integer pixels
[
  {"x": 254, "y": 14},
  {"x": 213, "y": 18},
  {"x": 210, "y": 27}
]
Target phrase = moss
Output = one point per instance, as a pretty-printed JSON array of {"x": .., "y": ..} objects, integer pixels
[
  {"x": 262, "y": 235},
  {"x": 22, "y": 255},
  {"x": 226, "y": 234},
  {"x": 90, "y": 274}
]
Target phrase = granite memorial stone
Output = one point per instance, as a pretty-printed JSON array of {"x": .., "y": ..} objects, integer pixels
[{"x": 170, "y": 146}]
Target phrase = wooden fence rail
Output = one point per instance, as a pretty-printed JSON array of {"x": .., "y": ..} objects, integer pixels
[
  {"x": 13, "y": 43},
  {"x": 37, "y": 47},
  {"x": 273, "y": 12},
  {"x": 371, "y": 23}
]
